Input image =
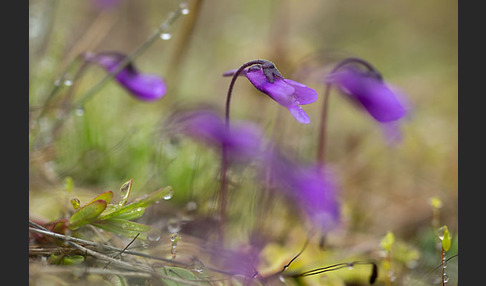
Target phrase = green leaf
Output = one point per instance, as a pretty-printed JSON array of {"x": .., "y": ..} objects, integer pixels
[
  {"x": 106, "y": 196},
  {"x": 123, "y": 227},
  {"x": 65, "y": 259},
  {"x": 118, "y": 280},
  {"x": 129, "y": 213},
  {"x": 137, "y": 208},
  {"x": 181, "y": 274},
  {"x": 87, "y": 214}
]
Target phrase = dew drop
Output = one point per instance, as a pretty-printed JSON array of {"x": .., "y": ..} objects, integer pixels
[
  {"x": 191, "y": 206},
  {"x": 68, "y": 82},
  {"x": 79, "y": 111},
  {"x": 174, "y": 238},
  {"x": 153, "y": 235},
  {"x": 445, "y": 278},
  {"x": 184, "y": 9},
  {"x": 198, "y": 266},
  {"x": 412, "y": 264},
  {"x": 57, "y": 82},
  {"x": 76, "y": 203},
  {"x": 281, "y": 278},
  {"x": 169, "y": 195},
  {"x": 173, "y": 226},
  {"x": 391, "y": 275},
  {"x": 165, "y": 36},
  {"x": 350, "y": 266}
]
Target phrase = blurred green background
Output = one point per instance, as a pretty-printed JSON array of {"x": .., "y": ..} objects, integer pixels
[{"x": 115, "y": 137}]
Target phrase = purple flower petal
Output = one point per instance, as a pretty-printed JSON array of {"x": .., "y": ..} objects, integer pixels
[
  {"x": 147, "y": 87},
  {"x": 303, "y": 94},
  {"x": 299, "y": 114},
  {"x": 242, "y": 141},
  {"x": 288, "y": 93},
  {"x": 310, "y": 187},
  {"x": 369, "y": 92}
]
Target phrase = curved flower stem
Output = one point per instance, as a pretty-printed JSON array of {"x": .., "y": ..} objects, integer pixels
[
  {"x": 173, "y": 16},
  {"x": 224, "y": 160},
  {"x": 322, "y": 130},
  {"x": 232, "y": 83}
]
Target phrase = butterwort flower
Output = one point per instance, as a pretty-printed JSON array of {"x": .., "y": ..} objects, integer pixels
[
  {"x": 368, "y": 89},
  {"x": 241, "y": 140},
  {"x": 143, "y": 86},
  {"x": 360, "y": 82},
  {"x": 288, "y": 93},
  {"x": 310, "y": 186}
]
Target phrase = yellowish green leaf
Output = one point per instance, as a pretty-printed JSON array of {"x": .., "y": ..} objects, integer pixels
[
  {"x": 106, "y": 196},
  {"x": 137, "y": 208},
  {"x": 180, "y": 274},
  {"x": 123, "y": 227},
  {"x": 87, "y": 214}
]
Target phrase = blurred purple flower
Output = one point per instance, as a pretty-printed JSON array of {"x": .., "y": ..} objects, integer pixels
[
  {"x": 243, "y": 261},
  {"x": 369, "y": 91},
  {"x": 241, "y": 141},
  {"x": 146, "y": 87},
  {"x": 311, "y": 187},
  {"x": 241, "y": 258},
  {"x": 286, "y": 92}
]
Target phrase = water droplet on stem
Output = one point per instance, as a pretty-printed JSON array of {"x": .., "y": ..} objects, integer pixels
[
  {"x": 153, "y": 235},
  {"x": 169, "y": 195},
  {"x": 184, "y": 9},
  {"x": 165, "y": 36}
]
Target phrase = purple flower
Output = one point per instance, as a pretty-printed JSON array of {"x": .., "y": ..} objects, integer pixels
[
  {"x": 241, "y": 141},
  {"x": 241, "y": 258},
  {"x": 369, "y": 91},
  {"x": 311, "y": 187},
  {"x": 243, "y": 261},
  {"x": 286, "y": 92},
  {"x": 146, "y": 87}
]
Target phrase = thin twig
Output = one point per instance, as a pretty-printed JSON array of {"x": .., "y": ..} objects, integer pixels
[
  {"x": 116, "y": 262},
  {"x": 124, "y": 249},
  {"x": 111, "y": 248},
  {"x": 296, "y": 256}
]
